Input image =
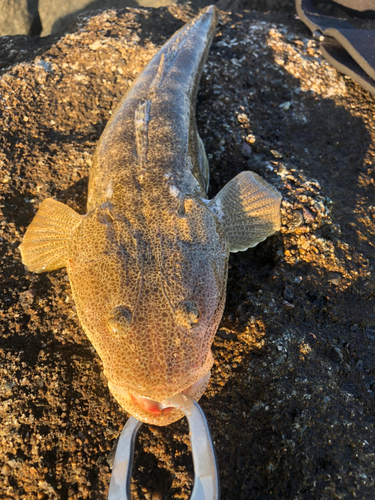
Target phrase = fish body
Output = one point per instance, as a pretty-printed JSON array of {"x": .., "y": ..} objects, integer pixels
[{"x": 148, "y": 262}]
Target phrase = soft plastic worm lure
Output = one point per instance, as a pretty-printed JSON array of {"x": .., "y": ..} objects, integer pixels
[{"x": 206, "y": 477}]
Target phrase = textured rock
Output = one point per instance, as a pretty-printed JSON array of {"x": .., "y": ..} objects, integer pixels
[
  {"x": 19, "y": 17},
  {"x": 56, "y": 15},
  {"x": 291, "y": 400}
]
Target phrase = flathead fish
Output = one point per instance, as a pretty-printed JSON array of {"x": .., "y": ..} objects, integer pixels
[{"x": 148, "y": 262}]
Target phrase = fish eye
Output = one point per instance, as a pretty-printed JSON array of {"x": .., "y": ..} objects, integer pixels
[
  {"x": 119, "y": 321},
  {"x": 187, "y": 314}
]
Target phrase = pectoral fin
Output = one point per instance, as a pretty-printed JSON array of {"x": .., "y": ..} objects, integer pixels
[
  {"x": 249, "y": 210},
  {"x": 46, "y": 242}
]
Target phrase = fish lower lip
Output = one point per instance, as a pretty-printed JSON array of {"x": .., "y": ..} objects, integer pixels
[
  {"x": 149, "y": 405},
  {"x": 155, "y": 407}
]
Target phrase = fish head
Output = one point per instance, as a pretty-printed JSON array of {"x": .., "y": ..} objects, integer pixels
[{"x": 150, "y": 299}]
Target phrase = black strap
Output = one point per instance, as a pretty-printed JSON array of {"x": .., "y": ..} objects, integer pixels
[{"x": 349, "y": 50}]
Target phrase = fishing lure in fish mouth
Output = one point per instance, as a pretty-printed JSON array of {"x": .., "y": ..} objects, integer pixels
[{"x": 148, "y": 262}]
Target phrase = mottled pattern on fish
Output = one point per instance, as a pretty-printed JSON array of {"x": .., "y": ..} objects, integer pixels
[
  {"x": 154, "y": 129},
  {"x": 148, "y": 262}
]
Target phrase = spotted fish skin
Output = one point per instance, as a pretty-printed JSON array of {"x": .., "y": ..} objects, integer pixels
[
  {"x": 148, "y": 262},
  {"x": 147, "y": 177}
]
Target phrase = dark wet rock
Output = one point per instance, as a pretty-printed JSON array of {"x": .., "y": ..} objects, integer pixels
[
  {"x": 334, "y": 278},
  {"x": 291, "y": 399},
  {"x": 288, "y": 293}
]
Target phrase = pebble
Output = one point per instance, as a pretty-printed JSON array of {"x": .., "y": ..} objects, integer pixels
[
  {"x": 288, "y": 293},
  {"x": 285, "y": 105},
  {"x": 246, "y": 149},
  {"x": 242, "y": 118},
  {"x": 27, "y": 298},
  {"x": 6, "y": 470},
  {"x": 295, "y": 221},
  {"x": 157, "y": 496},
  {"x": 334, "y": 278}
]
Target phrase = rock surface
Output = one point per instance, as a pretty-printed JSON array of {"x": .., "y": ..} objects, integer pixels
[
  {"x": 19, "y": 17},
  {"x": 56, "y": 15},
  {"x": 291, "y": 399}
]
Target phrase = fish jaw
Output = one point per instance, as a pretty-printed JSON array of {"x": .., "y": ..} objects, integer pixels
[{"x": 150, "y": 411}]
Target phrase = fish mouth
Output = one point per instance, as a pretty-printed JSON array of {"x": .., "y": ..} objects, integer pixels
[{"x": 155, "y": 408}]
